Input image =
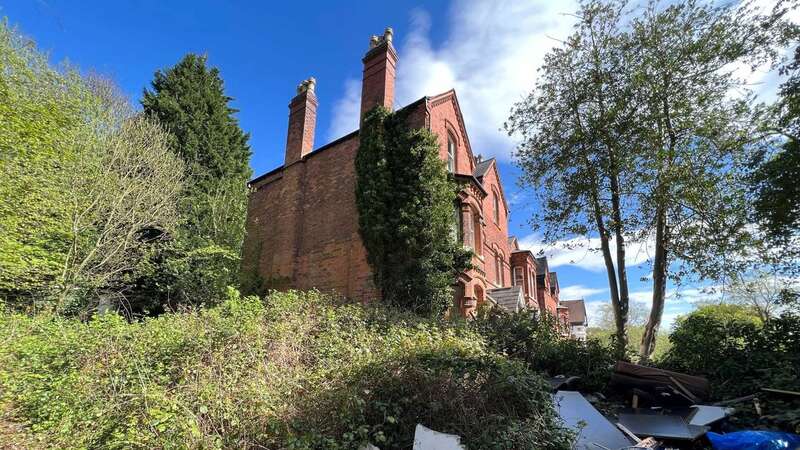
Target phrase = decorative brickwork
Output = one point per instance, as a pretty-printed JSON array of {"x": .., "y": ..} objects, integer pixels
[{"x": 302, "y": 224}]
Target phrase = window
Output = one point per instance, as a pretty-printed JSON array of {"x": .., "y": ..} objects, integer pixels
[
  {"x": 519, "y": 276},
  {"x": 498, "y": 267},
  {"x": 469, "y": 233},
  {"x": 451, "y": 153},
  {"x": 456, "y": 231},
  {"x": 476, "y": 225},
  {"x": 496, "y": 202}
]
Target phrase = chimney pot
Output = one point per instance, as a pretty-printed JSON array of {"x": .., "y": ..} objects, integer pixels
[
  {"x": 302, "y": 122},
  {"x": 380, "y": 63}
]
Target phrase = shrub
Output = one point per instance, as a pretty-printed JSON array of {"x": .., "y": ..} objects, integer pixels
[
  {"x": 534, "y": 339},
  {"x": 297, "y": 370},
  {"x": 739, "y": 354}
]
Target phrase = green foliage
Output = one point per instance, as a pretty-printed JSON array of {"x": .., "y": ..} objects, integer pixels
[
  {"x": 536, "y": 341},
  {"x": 405, "y": 203},
  {"x": 204, "y": 255},
  {"x": 739, "y": 354},
  {"x": 635, "y": 332},
  {"x": 83, "y": 177},
  {"x": 298, "y": 370}
]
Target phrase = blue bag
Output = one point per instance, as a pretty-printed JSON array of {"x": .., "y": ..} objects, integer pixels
[{"x": 754, "y": 440}]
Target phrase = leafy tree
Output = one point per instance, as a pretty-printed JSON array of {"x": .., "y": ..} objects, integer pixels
[
  {"x": 577, "y": 132},
  {"x": 203, "y": 258},
  {"x": 85, "y": 181},
  {"x": 405, "y": 203},
  {"x": 776, "y": 202},
  {"x": 632, "y": 132},
  {"x": 768, "y": 294},
  {"x": 637, "y": 315},
  {"x": 691, "y": 181}
]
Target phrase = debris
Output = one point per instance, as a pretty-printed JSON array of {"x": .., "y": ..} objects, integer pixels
[
  {"x": 682, "y": 385},
  {"x": 368, "y": 446},
  {"x": 736, "y": 400},
  {"x": 594, "y": 431},
  {"x": 754, "y": 440},
  {"x": 559, "y": 382},
  {"x": 648, "y": 443},
  {"x": 780, "y": 391},
  {"x": 703, "y": 415},
  {"x": 661, "y": 426},
  {"x": 427, "y": 439}
]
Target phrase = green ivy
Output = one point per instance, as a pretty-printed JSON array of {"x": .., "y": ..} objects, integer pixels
[{"x": 405, "y": 201}]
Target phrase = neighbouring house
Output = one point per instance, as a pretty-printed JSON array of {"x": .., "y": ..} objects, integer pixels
[
  {"x": 578, "y": 321},
  {"x": 302, "y": 221}
]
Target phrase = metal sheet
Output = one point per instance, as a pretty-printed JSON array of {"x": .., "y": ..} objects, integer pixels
[
  {"x": 573, "y": 408},
  {"x": 706, "y": 415},
  {"x": 661, "y": 426}
]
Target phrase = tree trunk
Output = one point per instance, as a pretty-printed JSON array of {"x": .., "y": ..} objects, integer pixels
[
  {"x": 659, "y": 288},
  {"x": 621, "y": 309},
  {"x": 620, "y": 319}
]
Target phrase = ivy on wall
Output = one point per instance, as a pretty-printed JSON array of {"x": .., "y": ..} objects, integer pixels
[{"x": 405, "y": 201}]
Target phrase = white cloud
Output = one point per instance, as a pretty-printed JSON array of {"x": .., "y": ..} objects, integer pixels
[
  {"x": 346, "y": 111},
  {"x": 585, "y": 252},
  {"x": 490, "y": 56},
  {"x": 579, "y": 291}
]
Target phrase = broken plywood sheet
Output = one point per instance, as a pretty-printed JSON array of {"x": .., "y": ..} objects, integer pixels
[
  {"x": 574, "y": 409},
  {"x": 427, "y": 439}
]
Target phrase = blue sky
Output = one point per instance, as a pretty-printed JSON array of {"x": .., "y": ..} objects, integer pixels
[{"x": 488, "y": 51}]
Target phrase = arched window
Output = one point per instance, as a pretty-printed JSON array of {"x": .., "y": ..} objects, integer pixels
[
  {"x": 457, "y": 230},
  {"x": 519, "y": 276},
  {"x": 498, "y": 267},
  {"x": 496, "y": 202},
  {"x": 476, "y": 225},
  {"x": 451, "y": 153},
  {"x": 469, "y": 231}
]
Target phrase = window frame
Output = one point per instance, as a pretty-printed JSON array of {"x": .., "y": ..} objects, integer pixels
[{"x": 452, "y": 150}]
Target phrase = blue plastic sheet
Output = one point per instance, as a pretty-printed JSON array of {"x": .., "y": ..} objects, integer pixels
[{"x": 754, "y": 440}]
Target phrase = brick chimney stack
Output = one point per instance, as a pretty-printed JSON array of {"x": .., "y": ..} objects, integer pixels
[
  {"x": 379, "y": 73},
  {"x": 302, "y": 121}
]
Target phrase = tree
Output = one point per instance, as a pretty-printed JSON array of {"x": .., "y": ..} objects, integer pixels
[
  {"x": 776, "y": 203},
  {"x": 203, "y": 258},
  {"x": 578, "y": 132},
  {"x": 766, "y": 293},
  {"x": 691, "y": 178},
  {"x": 405, "y": 202},
  {"x": 631, "y": 133},
  {"x": 86, "y": 181},
  {"x": 637, "y": 315}
]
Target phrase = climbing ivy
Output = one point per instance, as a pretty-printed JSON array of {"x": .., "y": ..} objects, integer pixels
[{"x": 405, "y": 201}]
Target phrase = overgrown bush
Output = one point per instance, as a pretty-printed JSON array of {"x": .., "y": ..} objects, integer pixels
[
  {"x": 405, "y": 201},
  {"x": 297, "y": 370},
  {"x": 739, "y": 354},
  {"x": 534, "y": 339}
]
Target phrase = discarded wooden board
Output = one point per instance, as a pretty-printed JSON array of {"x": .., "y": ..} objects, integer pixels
[
  {"x": 593, "y": 429},
  {"x": 636, "y": 376},
  {"x": 427, "y": 439}
]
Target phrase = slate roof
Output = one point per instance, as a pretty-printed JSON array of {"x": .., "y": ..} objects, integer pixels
[
  {"x": 512, "y": 243},
  {"x": 554, "y": 281},
  {"x": 482, "y": 167},
  {"x": 541, "y": 265},
  {"x": 508, "y": 298},
  {"x": 577, "y": 311}
]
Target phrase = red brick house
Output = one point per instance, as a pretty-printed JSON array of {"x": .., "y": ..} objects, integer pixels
[{"x": 302, "y": 222}]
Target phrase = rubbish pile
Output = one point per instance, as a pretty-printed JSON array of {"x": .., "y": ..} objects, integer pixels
[{"x": 666, "y": 411}]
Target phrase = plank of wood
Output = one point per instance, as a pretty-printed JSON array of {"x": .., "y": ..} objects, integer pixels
[{"x": 780, "y": 391}]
